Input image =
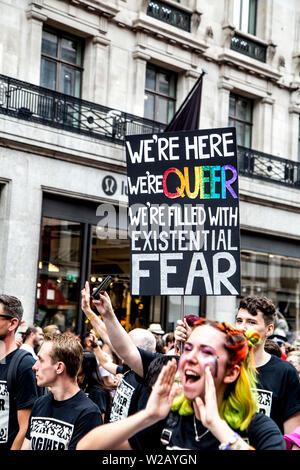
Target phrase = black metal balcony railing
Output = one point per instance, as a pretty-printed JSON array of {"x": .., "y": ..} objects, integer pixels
[
  {"x": 31, "y": 102},
  {"x": 268, "y": 167},
  {"x": 169, "y": 14},
  {"x": 249, "y": 47}
]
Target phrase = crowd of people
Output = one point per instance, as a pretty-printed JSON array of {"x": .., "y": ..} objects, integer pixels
[{"x": 208, "y": 385}]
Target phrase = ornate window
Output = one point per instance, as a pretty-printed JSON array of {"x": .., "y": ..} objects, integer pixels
[
  {"x": 160, "y": 94},
  {"x": 244, "y": 15},
  {"x": 61, "y": 62},
  {"x": 240, "y": 117}
]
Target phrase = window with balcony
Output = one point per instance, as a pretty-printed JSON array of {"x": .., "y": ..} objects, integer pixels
[
  {"x": 165, "y": 12},
  {"x": 160, "y": 94},
  {"x": 240, "y": 117},
  {"x": 245, "y": 21},
  {"x": 61, "y": 62}
]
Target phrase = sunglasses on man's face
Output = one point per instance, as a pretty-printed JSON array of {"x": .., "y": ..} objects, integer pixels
[{"x": 9, "y": 317}]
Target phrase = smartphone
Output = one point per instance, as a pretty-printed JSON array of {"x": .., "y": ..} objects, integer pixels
[{"x": 101, "y": 287}]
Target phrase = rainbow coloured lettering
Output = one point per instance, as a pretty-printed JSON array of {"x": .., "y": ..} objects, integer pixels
[{"x": 203, "y": 174}]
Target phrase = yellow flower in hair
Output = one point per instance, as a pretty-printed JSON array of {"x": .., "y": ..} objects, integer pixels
[{"x": 253, "y": 337}]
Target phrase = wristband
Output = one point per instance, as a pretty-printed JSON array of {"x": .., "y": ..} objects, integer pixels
[
  {"x": 89, "y": 319},
  {"x": 234, "y": 443}
]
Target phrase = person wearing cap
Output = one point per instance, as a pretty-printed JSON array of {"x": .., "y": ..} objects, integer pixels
[
  {"x": 158, "y": 332},
  {"x": 156, "y": 329},
  {"x": 16, "y": 404},
  {"x": 281, "y": 341}
]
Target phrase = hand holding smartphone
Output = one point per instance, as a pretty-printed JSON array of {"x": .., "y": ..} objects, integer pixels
[{"x": 101, "y": 288}]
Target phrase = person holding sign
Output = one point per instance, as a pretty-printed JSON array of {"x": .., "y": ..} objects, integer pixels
[
  {"x": 217, "y": 409},
  {"x": 183, "y": 201}
]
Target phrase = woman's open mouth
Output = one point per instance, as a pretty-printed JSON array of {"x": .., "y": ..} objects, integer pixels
[{"x": 191, "y": 377}]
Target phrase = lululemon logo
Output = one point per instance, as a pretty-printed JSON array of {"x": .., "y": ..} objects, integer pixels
[{"x": 109, "y": 185}]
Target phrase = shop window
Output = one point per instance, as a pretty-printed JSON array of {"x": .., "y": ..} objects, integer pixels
[
  {"x": 61, "y": 62},
  {"x": 111, "y": 255},
  {"x": 78, "y": 244},
  {"x": 244, "y": 15},
  {"x": 58, "y": 284},
  {"x": 276, "y": 277},
  {"x": 240, "y": 117},
  {"x": 160, "y": 94}
]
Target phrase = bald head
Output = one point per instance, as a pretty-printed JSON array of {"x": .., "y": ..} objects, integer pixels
[{"x": 143, "y": 339}]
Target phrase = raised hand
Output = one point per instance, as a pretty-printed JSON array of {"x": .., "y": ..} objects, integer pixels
[
  {"x": 207, "y": 410},
  {"x": 103, "y": 305},
  {"x": 85, "y": 299},
  {"x": 209, "y": 414},
  {"x": 163, "y": 392},
  {"x": 182, "y": 332},
  {"x": 93, "y": 338}
]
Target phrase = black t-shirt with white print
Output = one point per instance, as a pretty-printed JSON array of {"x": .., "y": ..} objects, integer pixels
[
  {"x": 100, "y": 397},
  {"x": 125, "y": 402},
  {"x": 131, "y": 394},
  {"x": 26, "y": 393},
  {"x": 59, "y": 425},
  {"x": 278, "y": 390}
]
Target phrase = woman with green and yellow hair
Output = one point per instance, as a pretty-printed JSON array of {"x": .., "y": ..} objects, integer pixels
[{"x": 217, "y": 408}]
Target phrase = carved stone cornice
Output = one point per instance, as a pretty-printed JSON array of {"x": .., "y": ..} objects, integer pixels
[
  {"x": 268, "y": 100},
  {"x": 167, "y": 33},
  {"x": 99, "y": 6},
  {"x": 141, "y": 55},
  {"x": 252, "y": 66},
  {"x": 228, "y": 33},
  {"x": 35, "y": 12},
  {"x": 294, "y": 109},
  {"x": 225, "y": 85},
  {"x": 101, "y": 41}
]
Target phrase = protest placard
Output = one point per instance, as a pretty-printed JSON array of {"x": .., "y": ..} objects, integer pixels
[{"x": 184, "y": 213}]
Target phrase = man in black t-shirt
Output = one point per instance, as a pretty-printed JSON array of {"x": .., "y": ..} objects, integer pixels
[
  {"x": 118, "y": 337},
  {"x": 61, "y": 418},
  {"x": 131, "y": 389},
  {"x": 278, "y": 385},
  {"x": 16, "y": 403},
  {"x": 136, "y": 349}
]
